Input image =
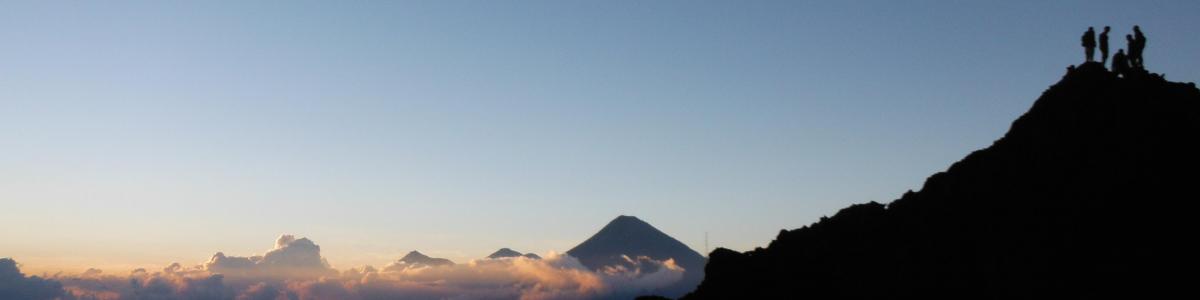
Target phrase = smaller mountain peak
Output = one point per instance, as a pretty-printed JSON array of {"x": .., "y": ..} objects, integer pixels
[
  {"x": 503, "y": 253},
  {"x": 531, "y": 256},
  {"x": 415, "y": 257},
  {"x": 414, "y": 254}
]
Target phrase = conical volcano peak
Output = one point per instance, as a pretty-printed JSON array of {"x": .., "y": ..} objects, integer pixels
[
  {"x": 629, "y": 237},
  {"x": 630, "y": 229},
  {"x": 628, "y": 225},
  {"x": 625, "y": 218}
]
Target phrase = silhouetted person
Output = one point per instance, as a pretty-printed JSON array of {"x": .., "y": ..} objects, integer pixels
[
  {"x": 1104, "y": 46},
  {"x": 1140, "y": 40},
  {"x": 1131, "y": 44},
  {"x": 1089, "y": 44},
  {"x": 1120, "y": 65}
]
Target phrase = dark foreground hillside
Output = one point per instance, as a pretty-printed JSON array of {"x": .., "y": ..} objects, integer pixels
[{"x": 1091, "y": 194}]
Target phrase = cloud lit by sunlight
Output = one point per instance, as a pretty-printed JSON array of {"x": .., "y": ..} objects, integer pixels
[{"x": 294, "y": 269}]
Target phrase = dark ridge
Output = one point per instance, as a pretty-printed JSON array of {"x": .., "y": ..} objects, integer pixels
[
  {"x": 1090, "y": 194},
  {"x": 628, "y": 236}
]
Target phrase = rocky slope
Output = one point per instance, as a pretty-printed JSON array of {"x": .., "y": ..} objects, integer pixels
[{"x": 1089, "y": 195}]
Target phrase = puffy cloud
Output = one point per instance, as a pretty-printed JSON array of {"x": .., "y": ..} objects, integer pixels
[
  {"x": 172, "y": 283},
  {"x": 181, "y": 287},
  {"x": 294, "y": 270},
  {"x": 643, "y": 275},
  {"x": 92, "y": 272},
  {"x": 291, "y": 258},
  {"x": 557, "y": 276},
  {"x": 290, "y": 252},
  {"x": 262, "y": 291},
  {"x": 14, "y": 284},
  {"x": 554, "y": 277}
]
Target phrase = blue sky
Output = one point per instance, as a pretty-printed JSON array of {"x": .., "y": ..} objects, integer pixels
[{"x": 140, "y": 133}]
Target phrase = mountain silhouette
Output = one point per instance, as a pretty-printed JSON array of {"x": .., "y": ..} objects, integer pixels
[
  {"x": 415, "y": 259},
  {"x": 505, "y": 252},
  {"x": 1090, "y": 194},
  {"x": 626, "y": 238}
]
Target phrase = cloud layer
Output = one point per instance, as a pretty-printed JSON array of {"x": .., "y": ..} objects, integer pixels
[
  {"x": 14, "y": 284},
  {"x": 294, "y": 269}
]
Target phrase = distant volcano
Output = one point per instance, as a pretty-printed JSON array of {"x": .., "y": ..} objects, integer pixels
[
  {"x": 627, "y": 236},
  {"x": 415, "y": 259},
  {"x": 505, "y": 252}
]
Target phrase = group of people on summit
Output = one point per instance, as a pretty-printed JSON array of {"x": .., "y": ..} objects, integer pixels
[{"x": 1123, "y": 63}]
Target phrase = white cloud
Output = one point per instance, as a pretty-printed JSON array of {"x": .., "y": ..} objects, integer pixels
[{"x": 291, "y": 258}]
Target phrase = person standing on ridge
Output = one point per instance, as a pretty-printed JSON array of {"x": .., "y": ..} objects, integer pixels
[
  {"x": 1089, "y": 44},
  {"x": 1120, "y": 65},
  {"x": 1131, "y": 44},
  {"x": 1140, "y": 40},
  {"x": 1104, "y": 46}
]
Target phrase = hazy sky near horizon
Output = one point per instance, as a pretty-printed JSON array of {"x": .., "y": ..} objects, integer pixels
[{"x": 135, "y": 134}]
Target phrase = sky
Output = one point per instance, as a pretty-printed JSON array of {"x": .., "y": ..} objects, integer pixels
[{"x": 136, "y": 134}]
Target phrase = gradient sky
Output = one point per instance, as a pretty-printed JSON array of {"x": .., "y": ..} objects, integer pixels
[{"x": 135, "y": 134}]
